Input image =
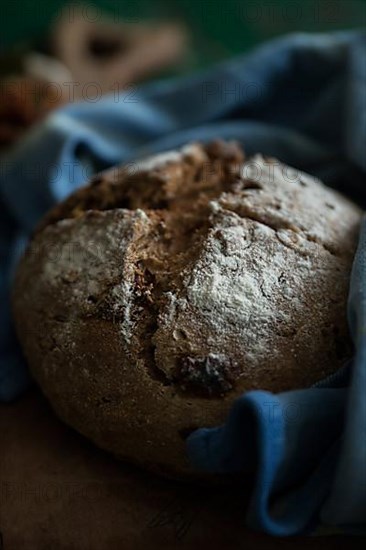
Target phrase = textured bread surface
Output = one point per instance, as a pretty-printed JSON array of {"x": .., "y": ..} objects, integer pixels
[{"x": 153, "y": 297}]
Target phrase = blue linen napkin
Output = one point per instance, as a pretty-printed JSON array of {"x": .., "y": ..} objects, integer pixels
[{"x": 301, "y": 98}]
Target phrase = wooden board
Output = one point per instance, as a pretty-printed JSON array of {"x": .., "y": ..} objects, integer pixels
[{"x": 57, "y": 491}]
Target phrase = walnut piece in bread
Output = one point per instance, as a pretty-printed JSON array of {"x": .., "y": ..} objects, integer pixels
[{"x": 153, "y": 297}]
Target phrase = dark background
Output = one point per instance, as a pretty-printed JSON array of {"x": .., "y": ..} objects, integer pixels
[{"x": 219, "y": 28}]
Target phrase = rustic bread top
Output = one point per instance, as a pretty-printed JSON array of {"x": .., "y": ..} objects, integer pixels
[{"x": 177, "y": 283}]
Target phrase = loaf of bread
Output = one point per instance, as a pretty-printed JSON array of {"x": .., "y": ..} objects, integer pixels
[{"x": 153, "y": 297}]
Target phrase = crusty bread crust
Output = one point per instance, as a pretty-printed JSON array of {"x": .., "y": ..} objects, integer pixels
[{"x": 152, "y": 298}]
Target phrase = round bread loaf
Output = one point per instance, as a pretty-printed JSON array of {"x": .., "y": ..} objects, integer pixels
[{"x": 153, "y": 297}]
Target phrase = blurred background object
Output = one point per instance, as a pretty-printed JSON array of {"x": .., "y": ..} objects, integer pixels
[
  {"x": 52, "y": 52},
  {"x": 113, "y": 54},
  {"x": 219, "y": 27},
  {"x": 28, "y": 93},
  {"x": 82, "y": 53}
]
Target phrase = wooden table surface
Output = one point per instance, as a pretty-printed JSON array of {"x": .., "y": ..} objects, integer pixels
[{"x": 57, "y": 491}]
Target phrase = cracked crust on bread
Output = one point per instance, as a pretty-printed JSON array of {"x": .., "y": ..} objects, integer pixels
[{"x": 153, "y": 297}]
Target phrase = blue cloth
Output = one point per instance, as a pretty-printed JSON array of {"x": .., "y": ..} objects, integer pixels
[{"x": 300, "y": 98}]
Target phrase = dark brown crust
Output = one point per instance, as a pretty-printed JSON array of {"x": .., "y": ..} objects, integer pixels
[
  {"x": 188, "y": 283},
  {"x": 126, "y": 187},
  {"x": 209, "y": 376}
]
